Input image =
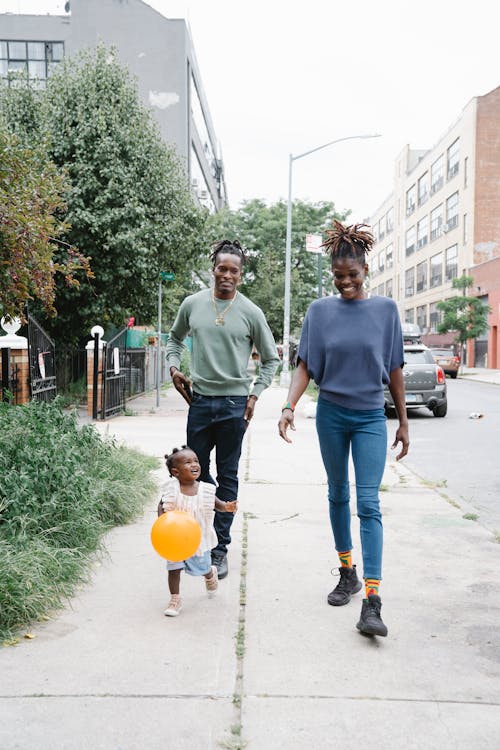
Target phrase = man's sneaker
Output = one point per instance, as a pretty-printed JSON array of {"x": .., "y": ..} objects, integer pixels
[
  {"x": 370, "y": 622},
  {"x": 219, "y": 559},
  {"x": 348, "y": 585},
  {"x": 213, "y": 582},
  {"x": 174, "y": 607}
]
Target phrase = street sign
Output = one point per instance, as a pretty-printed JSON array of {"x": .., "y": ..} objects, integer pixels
[
  {"x": 167, "y": 276},
  {"x": 313, "y": 243}
]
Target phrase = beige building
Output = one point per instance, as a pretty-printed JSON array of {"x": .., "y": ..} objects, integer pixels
[{"x": 443, "y": 220}]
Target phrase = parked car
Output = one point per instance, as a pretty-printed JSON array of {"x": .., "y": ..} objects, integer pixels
[
  {"x": 447, "y": 359},
  {"x": 425, "y": 382},
  {"x": 411, "y": 333}
]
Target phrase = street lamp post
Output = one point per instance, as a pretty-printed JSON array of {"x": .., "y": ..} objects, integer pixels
[{"x": 285, "y": 371}]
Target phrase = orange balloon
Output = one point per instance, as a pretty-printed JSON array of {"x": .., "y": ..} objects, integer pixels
[{"x": 176, "y": 535}]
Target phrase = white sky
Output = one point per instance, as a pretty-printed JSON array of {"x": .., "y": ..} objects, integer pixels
[{"x": 286, "y": 76}]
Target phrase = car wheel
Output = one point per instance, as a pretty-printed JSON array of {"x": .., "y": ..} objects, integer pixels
[
  {"x": 453, "y": 375},
  {"x": 390, "y": 412},
  {"x": 440, "y": 411}
]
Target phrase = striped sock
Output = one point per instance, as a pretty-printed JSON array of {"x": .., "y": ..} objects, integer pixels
[
  {"x": 346, "y": 559},
  {"x": 371, "y": 586}
]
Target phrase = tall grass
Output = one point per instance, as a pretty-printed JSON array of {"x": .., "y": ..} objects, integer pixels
[{"x": 62, "y": 486}]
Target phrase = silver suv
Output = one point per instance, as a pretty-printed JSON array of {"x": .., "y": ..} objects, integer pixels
[{"x": 425, "y": 382}]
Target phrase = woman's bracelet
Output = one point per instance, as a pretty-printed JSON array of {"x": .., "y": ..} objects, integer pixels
[{"x": 288, "y": 405}]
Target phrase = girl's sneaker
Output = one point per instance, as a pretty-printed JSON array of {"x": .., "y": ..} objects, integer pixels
[
  {"x": 213, "y": 582},
  {"x": 174, "y": 607}
]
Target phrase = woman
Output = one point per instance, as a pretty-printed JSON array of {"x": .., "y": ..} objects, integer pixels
[{"x": 351, "y": 346}]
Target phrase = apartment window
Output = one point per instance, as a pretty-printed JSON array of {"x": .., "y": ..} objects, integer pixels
[
  {"x": 465, "y": 228},
  {"x": 410, "y": 240},
  {"x": 436, "y": 270},
  {"x": 35, "y": 59},
  {"x": 422, "y": 318},
  {"x": 453, "y": 159},
  {"x": 388, "y": 288},
  {"x": 381, "y": 260},
  {"x": 437, "y": 222},
  {"x": 388, "y": 256},
  {"x": 451, "y": 263},
  {"x": 381, "y": 228},
  {"x": 371, "y": 267},
  {"x": 409, "y": 316},
  {"x": 434, "y": 317},
  {"x": 200, "y": 123},
  {"x": 375, "y": 232},
  {"x": 423, "y": 188},
  {"x": 410, "y": 199},
  {"x": 466, "y": 168},
  {"x": 452, "y": 212},
  {"x": 389, "y": 220},
  {"x": 437, "y": 174},
  {"x": 422, "y": 277},
  {"x": 422, "y": 232},
  {"x": 380, "y": 290},
  {"x": 199, "y": 185},
  {"x": 410, "y": 282}
]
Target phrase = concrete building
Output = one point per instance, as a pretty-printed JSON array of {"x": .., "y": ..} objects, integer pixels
[
  {"x": 158, "y": 51},
  {"x": 442, "y": 220}
]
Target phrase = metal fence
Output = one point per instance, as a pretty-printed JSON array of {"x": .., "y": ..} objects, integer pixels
[
  {"x": 114, "y": 381},
  {"x": 71, "y": 367},
  {"x": 42, "y": 366},
  {"x": 9, "y": 377}
]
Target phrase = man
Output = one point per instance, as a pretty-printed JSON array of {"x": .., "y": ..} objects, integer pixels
[{"x": 224, "y": 326}]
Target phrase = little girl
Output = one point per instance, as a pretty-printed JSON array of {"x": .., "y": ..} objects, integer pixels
[{"x": 185, "y": 492}]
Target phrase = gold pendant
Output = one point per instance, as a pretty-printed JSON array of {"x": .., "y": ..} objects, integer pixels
[{"x": 219, "y": 321}]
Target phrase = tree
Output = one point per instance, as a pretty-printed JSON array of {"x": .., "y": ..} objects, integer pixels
[
  {"x": 129, "y": 207},
  {"x": 261, "y": 229},
  {"x": 467, "y": 316},
  {"x": 31, "y": 190}
]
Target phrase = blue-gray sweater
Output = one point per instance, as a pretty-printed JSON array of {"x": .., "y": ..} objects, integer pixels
[{"x": 350, "y": 347}]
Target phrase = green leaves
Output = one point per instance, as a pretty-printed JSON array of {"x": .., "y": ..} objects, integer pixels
[
  {"x": 468, "y": 316},
  {"x": 61, "y": 487},
  {"x": 31, "y": 190},
  {"x": 127, "y": 203}
]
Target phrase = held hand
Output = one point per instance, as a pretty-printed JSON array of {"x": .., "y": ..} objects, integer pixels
[
  {"x": 249, "y": 410},
  {"x": 182, "y": 385},
  {"x": 231, "y": 506},
  {"x": 285, "y": 422},
  {"x": 401, "y": 437}
]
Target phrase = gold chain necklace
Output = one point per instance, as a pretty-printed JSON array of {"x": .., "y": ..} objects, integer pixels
[{"x": 219, "y": 314}]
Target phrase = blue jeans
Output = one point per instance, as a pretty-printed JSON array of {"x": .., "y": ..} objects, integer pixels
[
  {"x": 340, "y": 429},
  {"x": 217, "y": 422}
]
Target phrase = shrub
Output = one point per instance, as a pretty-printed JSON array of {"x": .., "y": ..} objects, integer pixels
[{"x": 62, "y": 486}]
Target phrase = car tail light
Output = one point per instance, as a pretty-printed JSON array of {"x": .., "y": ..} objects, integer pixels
[
  {"x": 457, "y": 360},
  {"x": 441, "y": 377}
]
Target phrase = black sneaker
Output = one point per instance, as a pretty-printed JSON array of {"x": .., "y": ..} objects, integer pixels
[
  {"x": 348, "y": 585},
  {"x": 219, "y": 559},
  {"x": 370, "y": 622}
]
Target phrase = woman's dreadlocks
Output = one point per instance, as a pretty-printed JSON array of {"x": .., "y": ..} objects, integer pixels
[{"x": 348, "y": 241}]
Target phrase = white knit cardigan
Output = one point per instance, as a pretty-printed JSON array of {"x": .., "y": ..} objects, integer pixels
[{"x": 201, "y": 506}]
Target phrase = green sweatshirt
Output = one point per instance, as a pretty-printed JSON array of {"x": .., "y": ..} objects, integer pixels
[{"x": 220, "y": 353}]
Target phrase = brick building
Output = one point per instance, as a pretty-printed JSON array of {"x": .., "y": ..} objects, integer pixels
[{"x": 442, "y": 220}]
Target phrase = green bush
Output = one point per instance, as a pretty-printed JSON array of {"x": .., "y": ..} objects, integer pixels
[{"x": 62, "y": 486}]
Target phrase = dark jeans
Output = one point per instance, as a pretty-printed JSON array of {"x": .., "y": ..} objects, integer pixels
[{"x": 217, "y": 422}]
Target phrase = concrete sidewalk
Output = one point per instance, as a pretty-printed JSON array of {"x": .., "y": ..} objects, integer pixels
[
  {"x": 267, "y": 662},
  {"x": 480, "y": 374}
]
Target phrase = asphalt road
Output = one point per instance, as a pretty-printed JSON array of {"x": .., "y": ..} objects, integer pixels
[{"x": 460, "y": 454}]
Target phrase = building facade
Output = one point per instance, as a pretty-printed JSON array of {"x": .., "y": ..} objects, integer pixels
[
  {"x": 442, "y": 220},
  {"x": 158, "y": 51}
]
